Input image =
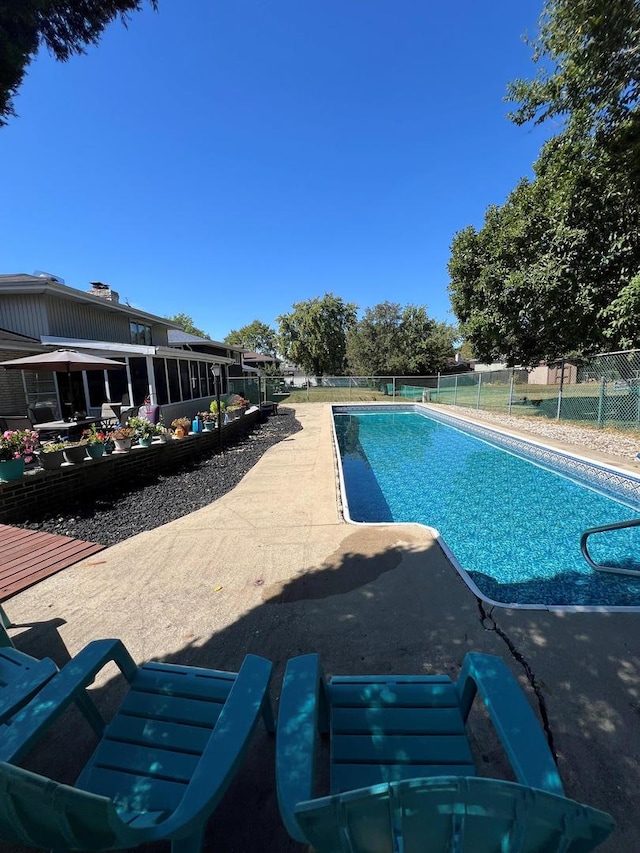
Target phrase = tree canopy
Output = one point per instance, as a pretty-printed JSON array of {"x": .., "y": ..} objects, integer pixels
[
  {"x": 399, "y": 341},
  {"x": 64, "y": 27},
  {"x": 588, "y": 58},
  {"x": 556, "y": 269},
  {"x": 188, "y": 325},
  {"x": 256, "y": 336},
  {"x": 314, "y": 334}
]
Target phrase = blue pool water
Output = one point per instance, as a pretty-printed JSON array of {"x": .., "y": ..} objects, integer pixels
[{"x": 513, "y": 525}]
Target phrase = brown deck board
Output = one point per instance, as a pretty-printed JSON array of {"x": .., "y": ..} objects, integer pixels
[{"x": 29, "y": 556}]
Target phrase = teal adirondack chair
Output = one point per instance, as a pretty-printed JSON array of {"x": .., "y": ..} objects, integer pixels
[
  {"x": 161, "y": 766},
  {"x": 402, "y": 776}
]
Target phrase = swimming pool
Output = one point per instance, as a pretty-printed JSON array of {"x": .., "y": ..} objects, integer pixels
[{"x": 510, "y": 512}]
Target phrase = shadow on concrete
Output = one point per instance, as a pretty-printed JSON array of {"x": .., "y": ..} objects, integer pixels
[{"x": 393, "y": 612}]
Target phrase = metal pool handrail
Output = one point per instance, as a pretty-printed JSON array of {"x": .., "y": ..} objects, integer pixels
[{"x": 619, "y": 525}]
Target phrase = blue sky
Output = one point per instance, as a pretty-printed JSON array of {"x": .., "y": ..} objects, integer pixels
[{"x": 227, "y": 159}]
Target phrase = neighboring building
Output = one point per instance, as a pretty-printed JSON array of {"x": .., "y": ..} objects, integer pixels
[
  {"x": 554, "y": 374},
  {"x": 40, "y": 313}
]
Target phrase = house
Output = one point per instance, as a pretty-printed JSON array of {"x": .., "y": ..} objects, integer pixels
[{"x": 40, "y": 313}]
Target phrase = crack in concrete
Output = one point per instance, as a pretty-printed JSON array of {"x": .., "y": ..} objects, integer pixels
[{"x": 489, "y": 623}]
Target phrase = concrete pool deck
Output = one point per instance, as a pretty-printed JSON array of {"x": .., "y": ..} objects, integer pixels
[{"x": 271, "y": 568}]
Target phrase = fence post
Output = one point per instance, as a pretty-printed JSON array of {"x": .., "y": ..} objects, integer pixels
[
  {"x": 394, "y": 387},
  {"x": 438, "y": 386},
  {"x": 349, "y": 389},
  {"x": 560, "y": 390},
  {"x": 511, "y": 391},
  {"x": 307, "y": 389},
  {"x": 479, "y": 387},
  {"x": 455, "y": 390},
  {"x": 601, "y": 402}
]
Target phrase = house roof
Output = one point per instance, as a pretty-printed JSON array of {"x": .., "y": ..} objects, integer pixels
[
  {"x": 177, "y": 337},
  {"x": 24, "y": 283},
  {"x": 259, "y": 357}
]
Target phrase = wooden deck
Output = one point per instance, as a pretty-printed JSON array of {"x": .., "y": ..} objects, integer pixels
[{"x": 28, "y": 556}]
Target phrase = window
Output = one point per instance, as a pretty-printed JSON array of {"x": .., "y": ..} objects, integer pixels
[
  {"x": 117, "y": 385},
  {"x": 162, "y": 392},
  {"x": 139, "y": 333},
  {"x": 185, "y": 380},
  {"x": 97, "y": 392},
  {"x": 174, "y": 380},
  {"x": 139, "y": 380},
  {"x": 203, "y": 379}
]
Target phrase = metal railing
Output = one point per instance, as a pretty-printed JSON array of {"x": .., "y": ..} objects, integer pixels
[{"x": 605, "y": 528}]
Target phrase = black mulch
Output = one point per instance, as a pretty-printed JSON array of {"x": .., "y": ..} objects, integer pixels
[{"x": 117, "y": 514}]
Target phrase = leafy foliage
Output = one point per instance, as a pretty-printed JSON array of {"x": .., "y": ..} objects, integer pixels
[
  {"x": 256, "y": 336},
  {"x": 65, "y": 27},
  {"x": 188, "y": 325},
  {"x": 550, "y": 270},
  {"x": 556, "y": 268},
  {"x": 400, "y": 341},
  {"x": 592, "y": 71},
  {"x": 314, "y": 334}
]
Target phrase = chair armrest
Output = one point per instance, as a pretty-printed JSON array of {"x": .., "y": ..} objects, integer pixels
[
  {"x": 511, "y": 714},
  {"x": 297, "y": 736},
  {"x": 30, "y": 723},
  {"x": 224, "y": 751}
]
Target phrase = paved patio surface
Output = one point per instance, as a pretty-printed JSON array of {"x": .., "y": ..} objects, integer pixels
[{"x": 271, "y": 568}]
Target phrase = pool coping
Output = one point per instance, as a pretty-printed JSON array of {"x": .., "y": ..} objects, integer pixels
[{"x": 613, "y": 470}]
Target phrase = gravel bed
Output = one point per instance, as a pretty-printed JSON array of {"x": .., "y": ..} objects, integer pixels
[
  {"x": 602, "y": 440},
  {"x": 118, "y": 514}
]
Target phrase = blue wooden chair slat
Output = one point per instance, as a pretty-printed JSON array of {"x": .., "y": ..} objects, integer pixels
[
  {"x": 153, "y": 776},
  {"x": 396, "y": 721},
  {"x": 409, "y": 733},
  {"x": 143, "y": 732},
  {"x": 400, "y": 749}
]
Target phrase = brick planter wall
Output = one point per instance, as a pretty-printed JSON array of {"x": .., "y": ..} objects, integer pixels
[{"x": 41, "y": 491}]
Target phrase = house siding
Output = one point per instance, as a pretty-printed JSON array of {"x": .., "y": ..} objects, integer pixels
[
  {"x": 11, "y": 388},
  {"x": 24, "y": 313}
]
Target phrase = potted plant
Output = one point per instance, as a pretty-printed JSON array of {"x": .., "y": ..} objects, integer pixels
[
  {"x": 181, "y": 427},
  {"x": 213, "y": 408},
  {"x": 96, "y": 440},
  {"x": 75, "y": 451},
  {"x": 16, "y": 448},
  {"x": 143, "y": 431},
  {"x": 122, "y": 438},
  {"x": 161, "y": 432},
  {"x": 208, "y": 420},
  {"x": 50, "y": 455},
  {"x": 233, "y": 411}
]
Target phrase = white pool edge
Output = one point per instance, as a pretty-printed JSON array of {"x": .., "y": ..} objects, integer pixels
[{"x": 435, "y": 533}]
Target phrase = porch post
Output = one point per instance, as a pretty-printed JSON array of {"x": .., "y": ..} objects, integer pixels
[{"x": 151, "y": 380}]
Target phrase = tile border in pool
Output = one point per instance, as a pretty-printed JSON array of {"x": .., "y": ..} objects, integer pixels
[{"x": 615, "y": 482}]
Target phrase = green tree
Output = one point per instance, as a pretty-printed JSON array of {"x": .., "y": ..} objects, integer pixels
[
  {"x": 188, "y": 325},
  {"x": 588, "y": 58},
  {"x": 64, "y": 27},
  {"x": 390, "y": 339},
  {"x": 549, "y": 272},
  {"x": 256, "y": 336},
  {"x": 314, "y": 334}
]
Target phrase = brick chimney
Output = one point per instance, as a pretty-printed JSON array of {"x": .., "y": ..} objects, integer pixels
[{"x": 103, "y": 291}]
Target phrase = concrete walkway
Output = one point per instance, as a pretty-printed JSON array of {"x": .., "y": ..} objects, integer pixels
[{"x": 271, "y": 568}]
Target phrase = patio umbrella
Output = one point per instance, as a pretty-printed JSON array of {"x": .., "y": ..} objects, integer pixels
[{"x": 62, "y": 360}]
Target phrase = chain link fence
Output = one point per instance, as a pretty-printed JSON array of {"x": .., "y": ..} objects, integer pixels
[{"x": 603, "y": 391}]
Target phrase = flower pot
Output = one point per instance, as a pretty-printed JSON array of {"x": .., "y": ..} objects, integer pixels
[
  {"x": 96, "y": 450},
  {"x": 209, "y": 426},
  {"x": 122, "y": 444},
  {"x": 145, "y": 442},
  {"x": 108, "y": 448},
  {"x": 11, "y": 469},
  {"x": 179, "y": 433},
  {"x": 52, "y": 460},
  {"x": 76, "y": 454}
]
